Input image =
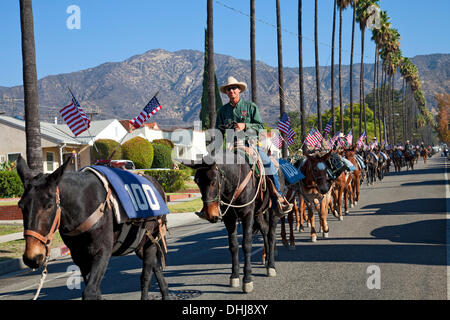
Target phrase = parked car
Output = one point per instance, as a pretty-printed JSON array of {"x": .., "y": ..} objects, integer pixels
[{"x": 129, "y": 165}]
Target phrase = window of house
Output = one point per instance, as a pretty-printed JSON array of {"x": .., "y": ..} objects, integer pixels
[
  {"x": 50, "y": 158},
  {"x": 13, "y": 156}
]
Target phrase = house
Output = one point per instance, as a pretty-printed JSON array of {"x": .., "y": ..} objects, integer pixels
[
  {"x": 57, "y": 141},
  {"x": 56, "y": 145}
]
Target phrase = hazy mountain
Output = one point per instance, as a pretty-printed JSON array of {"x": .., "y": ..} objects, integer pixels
[{"x": 121, "y": 89}]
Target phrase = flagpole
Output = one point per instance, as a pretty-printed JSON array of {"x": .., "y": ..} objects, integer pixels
[
  {"x": 92, "y": 138},
  {"x": 115, "y": 149}
]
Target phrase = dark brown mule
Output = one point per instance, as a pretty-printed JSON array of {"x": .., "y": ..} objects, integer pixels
[
  {"x": 316, "y": 189},
  {"x": 78, "y": 204},
  {"x": 424, "y": 154}
]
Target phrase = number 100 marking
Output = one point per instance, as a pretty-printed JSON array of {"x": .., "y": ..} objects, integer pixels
[{"x": 142, "y": 197}]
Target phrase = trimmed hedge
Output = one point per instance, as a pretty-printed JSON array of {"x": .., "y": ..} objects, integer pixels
[
  {"x": 140, "y": 151},
  {"x": 105, "y": 148},
  {"x": 170, "y": 180},
  {"x": 10, "y": 184},
  {"x": 167, "y": 142},
  {"x": 162, "y": 156}
]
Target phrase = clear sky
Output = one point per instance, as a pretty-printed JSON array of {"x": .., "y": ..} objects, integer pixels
[{"x": 114, "y": 30}]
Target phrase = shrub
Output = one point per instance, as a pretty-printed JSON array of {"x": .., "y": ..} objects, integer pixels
[
  {"x": 140, "y": 151},
  {"x": 166, "y": 142},
  {"x": 105, "y": 147},
  {"x": 162, "y": 157},
  {"x": 170, "y": 180},
  {"x": 10, "y": 184}
]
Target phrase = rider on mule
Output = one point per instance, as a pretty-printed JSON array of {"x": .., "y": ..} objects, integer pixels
[{"x": 245, "y": 116}]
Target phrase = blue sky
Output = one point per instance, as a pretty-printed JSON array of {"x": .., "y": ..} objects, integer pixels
[{"x": 114, "y": 30}]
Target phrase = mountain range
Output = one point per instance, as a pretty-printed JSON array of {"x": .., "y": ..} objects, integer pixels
[{"x": 121, "y": 89}]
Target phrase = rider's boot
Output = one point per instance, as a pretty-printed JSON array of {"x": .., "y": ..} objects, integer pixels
[{"x": 279, "y": 203}]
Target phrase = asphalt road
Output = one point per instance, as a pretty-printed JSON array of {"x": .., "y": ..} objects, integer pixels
[{"x": 392, "y": 246}]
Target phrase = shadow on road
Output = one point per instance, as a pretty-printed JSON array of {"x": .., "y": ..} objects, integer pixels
[{"x": 410, "y": 206}]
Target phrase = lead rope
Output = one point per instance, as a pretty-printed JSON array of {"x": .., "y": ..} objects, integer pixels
[{"x": 43, "y": 276}]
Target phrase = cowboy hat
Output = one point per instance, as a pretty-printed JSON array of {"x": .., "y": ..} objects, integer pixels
[
  {"x": 341, "y": 135},
  {"x": 231, "y": 81}
]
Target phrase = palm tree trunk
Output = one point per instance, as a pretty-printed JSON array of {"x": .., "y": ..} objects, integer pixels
[
  {"x": 379, "y": 97},
  {"x": 300, "y": 75},
  {"x": 375, "y": 91},
  {"x": 351, "y": 68},
  {"x": 341, "y": 103},
  {"x": 361, "y": 86},
  {"x": 252, "y": 51},
  {"x": 389, "y": 116},
  {"x": 316, "y": 45},
  {"x": 211, "y": 84},
  {"x": 280, "y": 71},
  {"x": 332, "y": 68},
  {"x": 383, "y": 101},
  {"x": 31, "y": 98}
]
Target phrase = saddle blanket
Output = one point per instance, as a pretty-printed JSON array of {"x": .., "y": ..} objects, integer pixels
[
  {"x": 375, "y": 156},
  {"x": 360, "y": 161},
  {"x": 384, "y": 155},
  {"x": 348, "y": 164},
  {"x": 291, "y": 173},
  {"x": 138, "y": 197}
]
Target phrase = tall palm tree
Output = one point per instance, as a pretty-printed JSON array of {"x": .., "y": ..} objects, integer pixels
[
  {"x": 31, "y": 99},
  {"x": 316, "y": 46},
  {"x": 211, "y": 84},
  {"x": 252, "y": 51},
  {"x": 333, "y": 125},
  {"x": 354, "y": 3},
  {"x": 362, "y": 15},
  {"x": 300, "y": 75},
  {"x": 342, "y": 4},
  {"x": 280, "y": 71}
]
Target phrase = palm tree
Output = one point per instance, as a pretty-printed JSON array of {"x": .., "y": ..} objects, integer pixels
[
  {"x": 332, "y": 68},
  {"x": 316, "y": 43},
  {"x": 342, "y": 4},
  {"x": 354, "y": 3},
  {"x": 362, "y": 15},
  {"x": 300, "y": 75},
  {"x": 280, "y": 71},
  {"x": 211, "y": 84},
  {"x": 31, "y": 98},
  {"x": 252, "y": 51}
]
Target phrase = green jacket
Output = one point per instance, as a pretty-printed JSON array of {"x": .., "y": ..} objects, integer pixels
[{"x": 244, "y": 112}]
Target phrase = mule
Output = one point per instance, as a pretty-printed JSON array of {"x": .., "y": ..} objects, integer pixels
[
  {"x": 424, "y": 153},
  {"x": 372, "y": 166},
  {"x": 350, "y": 155},
  {"x": 65, "y": 201},
  {"x": 409, "y": 159},
  {"x": 231, "y": 192},
  {"x": 397, "y": 159}
]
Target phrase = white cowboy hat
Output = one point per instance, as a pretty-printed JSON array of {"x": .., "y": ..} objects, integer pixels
[
  {"x": 341, "y": 135},
  {"x": 231, "y": 81}
]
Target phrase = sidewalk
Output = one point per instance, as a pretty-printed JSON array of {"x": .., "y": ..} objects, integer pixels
[{"x": 173, "y": 220}]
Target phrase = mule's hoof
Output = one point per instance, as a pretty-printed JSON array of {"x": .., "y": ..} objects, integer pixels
[
  {"x": 325, "y": 234},
  {"x": 335, "y": 213},
  {"x": 234, "y": 282},
  {"x": 308, "y": 225},
  {"x": 347, "y": 212},
  {"x": 356, "y": 203},
  {"x": 351, "y": 205},
  {"x": 341, "y": 218},
  {"x": 314, "y": 238},
  {"x": 271, "y": 272},
  {"x": 247, "y": 287}
]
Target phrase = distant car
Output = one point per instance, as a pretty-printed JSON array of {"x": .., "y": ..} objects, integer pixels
[{"x": 129, "y": 165}]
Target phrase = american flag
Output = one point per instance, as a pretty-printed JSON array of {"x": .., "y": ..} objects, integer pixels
[
  {"x": 276, "y": 139},
  {"x": 149, "y": 110},
  {"x": 284, "y": 125},
  {"x": 328, "y": 127},
  {"x": 361, "y": 139},
  {"x": 75, "y": 117},
  {"x": 349, "y": 137},
  {"x": 313, "y": 138}
]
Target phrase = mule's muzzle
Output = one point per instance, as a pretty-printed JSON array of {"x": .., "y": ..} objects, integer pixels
[
  {"x": 210, "y": 212},
  {"x": 35, "y": 253}
]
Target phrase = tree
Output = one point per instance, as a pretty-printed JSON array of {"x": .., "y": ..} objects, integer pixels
[
  {"x": 300, "y": 75},
  {"x": 333, "y": 126},
  {"x": 211, "y": 84},
  {"x": 443, "y": 119},
  {"x": 204, "y": 111},
  {"x": 252, "y": 51},
  {"x": 354, "y": 4},
  {"x": 316, "y": 46},
  {"x": 280, "y": 71},
  {"x": 31, "y": 99},
  {"x": 342, "y": 4}
]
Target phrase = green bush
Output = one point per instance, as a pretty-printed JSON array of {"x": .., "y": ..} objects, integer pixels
[
  {"x": 162, "y": 157},
  {"x": 105, "y": 147},
  {"x": 10, "y": 184},
  {"x": 170, "y": 180},
  {"x": 167, "y": 142},
  {"x": 140, "y": 151}
]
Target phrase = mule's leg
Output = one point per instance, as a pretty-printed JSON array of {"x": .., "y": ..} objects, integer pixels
[
  {"x": 283, "y": 230},
  {"x": 323, "y": 216},
  {"x": 291, "y": 231},
  {"x": 247, "y": 228},
  {"x": 233, "y": 246},
  {"x": 151, "y": 264},
  {"x": 311, "y": 220},
  {"x": 263, "y": 226},
  {"x": 273, "y": 221}
]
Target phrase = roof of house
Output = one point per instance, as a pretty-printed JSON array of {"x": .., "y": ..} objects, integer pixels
[{"x": 86, "y": 136}]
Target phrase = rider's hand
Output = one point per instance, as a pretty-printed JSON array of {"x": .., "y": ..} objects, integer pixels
[{"x": 239, "y": 126}]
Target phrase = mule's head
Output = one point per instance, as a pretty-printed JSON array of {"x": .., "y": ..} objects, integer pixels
[
  {"x": 350, "y": 152},
  {"x": 208, "y": 179},
  {"x": 39, "y": 205},
  {"x": 317, "y": 171}
]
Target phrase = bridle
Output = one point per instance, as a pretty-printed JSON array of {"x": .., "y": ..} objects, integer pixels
[{"x": 47, "y": 239}]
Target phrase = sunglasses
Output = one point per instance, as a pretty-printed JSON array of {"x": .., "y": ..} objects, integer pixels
[{"x": 232, "y": 88}]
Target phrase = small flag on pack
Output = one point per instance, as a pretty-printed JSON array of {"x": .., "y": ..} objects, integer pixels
[{"x": 75, "y": 117}]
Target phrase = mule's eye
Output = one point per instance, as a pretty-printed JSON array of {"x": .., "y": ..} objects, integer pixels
[{"x": 48, "y": 205}]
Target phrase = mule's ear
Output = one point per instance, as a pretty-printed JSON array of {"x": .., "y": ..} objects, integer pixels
[
  {"x": 23, "y": 170},
  {"x": 207, "y": 161},
  {"x": 56, "y": 176}
]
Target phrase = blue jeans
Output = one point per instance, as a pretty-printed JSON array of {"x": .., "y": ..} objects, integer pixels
[{"x": 271, "y": 171}]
